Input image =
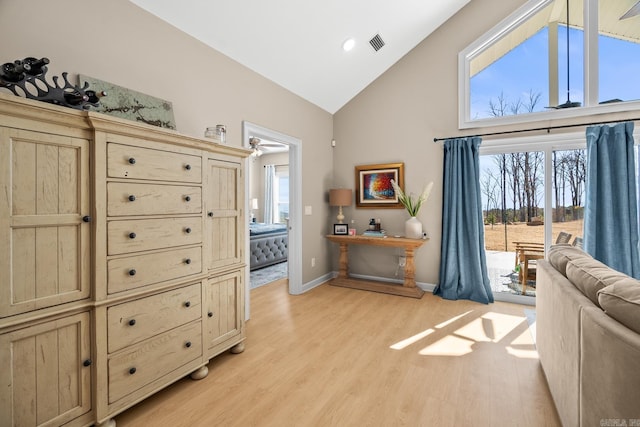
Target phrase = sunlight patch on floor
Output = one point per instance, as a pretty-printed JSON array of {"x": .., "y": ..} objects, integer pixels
[
  {"x": 411, "y": 340},
  {"x": 490, "y": 327},
  {"x": 450, "y": 345},
  {"x": 450, "y": 321},
  {"x": 523, "y": 346}
]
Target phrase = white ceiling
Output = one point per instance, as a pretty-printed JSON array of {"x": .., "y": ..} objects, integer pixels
[{"x": 298, "y": 44}]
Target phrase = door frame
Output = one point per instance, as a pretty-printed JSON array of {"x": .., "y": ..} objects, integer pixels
[{"x": 295, "y": 205}]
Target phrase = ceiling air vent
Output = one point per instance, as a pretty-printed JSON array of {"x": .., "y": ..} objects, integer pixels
[{"x": 376, "y": 42}]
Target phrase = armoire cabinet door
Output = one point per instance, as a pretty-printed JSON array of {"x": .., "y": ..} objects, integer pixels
[
  {"x": 223, "y": 309},
  {"x": 44, "y": 220},
  {"x": 223, "y": 205},
  {"x": 46, "y": 373}
]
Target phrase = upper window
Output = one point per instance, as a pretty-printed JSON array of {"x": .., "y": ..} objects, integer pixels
[{"x": 552, "y": 58}]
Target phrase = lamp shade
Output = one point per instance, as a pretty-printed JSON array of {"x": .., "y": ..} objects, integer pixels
[{"x": 340, "y": 197}]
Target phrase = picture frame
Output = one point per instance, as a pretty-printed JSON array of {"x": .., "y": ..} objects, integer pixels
[
  {"x": 341, "y": 229},
  {"x": 373, "y": 185}
]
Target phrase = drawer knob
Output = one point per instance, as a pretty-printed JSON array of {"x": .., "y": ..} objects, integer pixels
[
  {"x": 210, "y": 314},
  {"x": 132, "y": 198},
  {"x": 187, "y": 230},
  {"x": 187, "y": 344},
  {"x": 187, "y": 261},
  {"x": 210, "y": 214},
  {"x": 187, "y": 167},
  {"x": 187, "y": 304},
  {"x": 86, "y": 363},
  {"x": 132, "y": 161},
  {"x": 132, "y": 235},
  {"x": 132, "y": 322},
  {"x": 188, "y": 198},
  {"x": 132, "y": 371},
  {"x": 132, "y": 272},
  {"x": 86, "y": 218}
]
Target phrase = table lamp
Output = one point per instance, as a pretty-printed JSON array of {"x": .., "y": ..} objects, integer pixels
[{"x": 340, "y": 197}]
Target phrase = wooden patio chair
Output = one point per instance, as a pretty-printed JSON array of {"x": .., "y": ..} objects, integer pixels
[{"x": 577, "y": 242}]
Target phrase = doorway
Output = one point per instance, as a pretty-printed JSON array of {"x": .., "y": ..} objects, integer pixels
[{"x": 294, "y": 224}]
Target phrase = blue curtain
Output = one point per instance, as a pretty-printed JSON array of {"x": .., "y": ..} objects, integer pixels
[
  {"x": 611, "y": 213},
  {"x": 269, "y": 175},
  {"x": 463, "y": 264}
]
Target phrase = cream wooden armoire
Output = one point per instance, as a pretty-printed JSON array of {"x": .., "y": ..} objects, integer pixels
[{"x": 121, "y": 261}]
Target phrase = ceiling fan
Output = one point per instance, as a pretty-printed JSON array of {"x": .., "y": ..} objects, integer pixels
[
  {"x": 568, "y": 103},
  {"x": 634, "y": 11},
  {"x": 259, "y": 146}
]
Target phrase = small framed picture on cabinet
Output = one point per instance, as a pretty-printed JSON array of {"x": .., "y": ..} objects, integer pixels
[{"x": 341, "y": 229}]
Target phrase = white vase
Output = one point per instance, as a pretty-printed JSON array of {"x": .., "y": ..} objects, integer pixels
[{"x": 413, "y": 228}]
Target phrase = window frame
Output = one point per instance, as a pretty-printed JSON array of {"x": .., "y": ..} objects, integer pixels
[{"x": 590, "y": 69}]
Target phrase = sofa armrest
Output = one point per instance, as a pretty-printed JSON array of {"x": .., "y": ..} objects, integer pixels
[
  {"x": 610, "y": 366},
  {"x": 558, "y": 305}
]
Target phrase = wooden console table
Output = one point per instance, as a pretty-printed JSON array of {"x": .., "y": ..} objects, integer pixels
[{"x": 407, "y": 289}]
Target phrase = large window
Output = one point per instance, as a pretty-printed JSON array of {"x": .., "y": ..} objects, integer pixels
[
  {"x": 281, "y": 194},
  {"x": 552, "y": 58}
]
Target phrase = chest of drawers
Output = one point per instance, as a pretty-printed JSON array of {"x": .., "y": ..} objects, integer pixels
[{"x": 121, "y": 261}]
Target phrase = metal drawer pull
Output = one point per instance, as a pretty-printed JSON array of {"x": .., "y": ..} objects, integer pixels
[
  {"x": 187, "y": 304},
  {"x": 187, "y": 344},
  {"x": 132, "y": 371},
  {"x": 132, "y": 161},
  {"x": 86, "y": 218},
  {"x": 187, "y": 261},
  {"x": 187, "y": 167},
  {"x": 132, "y": 322},
  {"x": 132, "y": 235},
  {"x": 210, "y": 314},
  {"x": 132, "y": 272},
  {"x": 187, "y": 230},
  {"x": 188, "y": 198},
  {"x": 86, "y": 363},
  {"x": 132, "y": 198},
  {"x": 210, "y": 214}
]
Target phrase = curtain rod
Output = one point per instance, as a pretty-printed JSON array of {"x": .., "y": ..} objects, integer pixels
[
  {"x": 275, "y": 165},
  {"x": 547, "y": 128}
]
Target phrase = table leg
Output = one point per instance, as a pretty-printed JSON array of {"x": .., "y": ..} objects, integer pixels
[
  {"x": 409, "y": 269},
  {"x": 343, "y": 261},
  {"x": 525, "y": 274}
]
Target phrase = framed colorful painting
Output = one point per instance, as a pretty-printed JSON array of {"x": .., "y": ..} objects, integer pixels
[{"x": 373, "y": 185}]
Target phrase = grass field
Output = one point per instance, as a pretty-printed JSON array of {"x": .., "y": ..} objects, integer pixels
[{"x": 494, "y": 236}]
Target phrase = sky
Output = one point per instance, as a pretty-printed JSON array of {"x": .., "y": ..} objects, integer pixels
[{"x": 525, "y": 68}]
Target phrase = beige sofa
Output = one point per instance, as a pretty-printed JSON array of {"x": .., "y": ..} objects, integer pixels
[{"x": 588, "y": 338}]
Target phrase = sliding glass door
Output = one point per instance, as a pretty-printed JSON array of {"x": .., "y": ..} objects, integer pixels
[{"x": 531, "y": 198}]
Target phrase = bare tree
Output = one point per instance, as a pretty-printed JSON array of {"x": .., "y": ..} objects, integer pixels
[
  {"x": 499, "y": 107},
  {"x": 556, "y": 187},
  {"x": 576, "y": 175},
  {"x": 489, "y": 185}
]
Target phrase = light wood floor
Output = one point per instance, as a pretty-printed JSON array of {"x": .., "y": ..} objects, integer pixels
[{"x": 344, "y": 357}]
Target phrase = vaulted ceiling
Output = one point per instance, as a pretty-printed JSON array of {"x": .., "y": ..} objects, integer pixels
[{"x": 298, "y": 44}]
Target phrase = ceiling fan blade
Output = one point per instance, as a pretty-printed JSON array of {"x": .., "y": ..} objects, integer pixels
[
  {"x": 568, "y": 104},
  {"x": 634, "y": 11}
]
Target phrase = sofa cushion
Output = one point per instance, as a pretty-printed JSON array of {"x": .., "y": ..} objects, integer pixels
[
  {"x": 622, "y": 302},
  {"x": 561, "y": 254},
  {"x": 590, "y": 275}
]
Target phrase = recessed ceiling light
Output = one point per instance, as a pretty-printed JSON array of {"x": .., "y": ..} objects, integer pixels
[{"x": 348, "y": 44}]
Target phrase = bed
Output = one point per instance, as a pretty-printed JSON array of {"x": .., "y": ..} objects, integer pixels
[{"x": 268, "y": 244}]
